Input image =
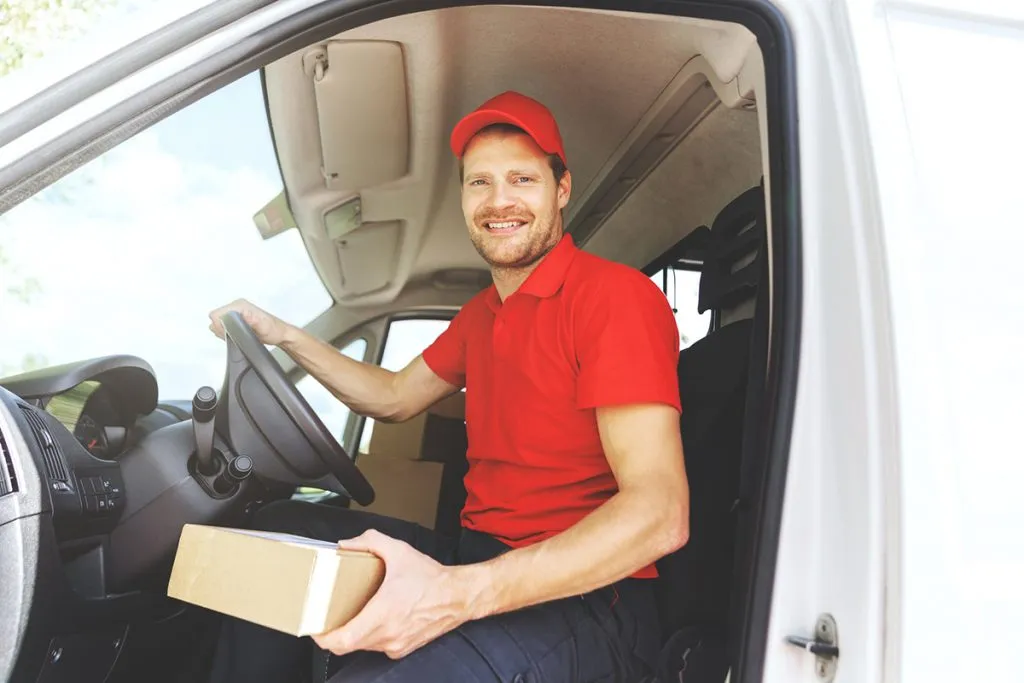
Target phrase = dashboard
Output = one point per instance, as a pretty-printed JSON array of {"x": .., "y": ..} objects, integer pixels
[
  {"x": 96, "y": 400},
  {"x": 96, "y": 482},
  {"x": 89, "y": 411},
  {"x": 75, "y": 421},
  {"x": 63, "y": 493}
]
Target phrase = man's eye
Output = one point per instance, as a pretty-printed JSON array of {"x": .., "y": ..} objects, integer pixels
[
  {"x": 477, "y": 182},
  {"x": 522, "y": 179}
]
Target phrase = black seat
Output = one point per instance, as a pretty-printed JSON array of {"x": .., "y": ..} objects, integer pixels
[{"x": 696, "y": 582}]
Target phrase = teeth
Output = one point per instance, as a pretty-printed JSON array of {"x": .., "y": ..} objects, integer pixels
[{"x": 503, "y": 226}]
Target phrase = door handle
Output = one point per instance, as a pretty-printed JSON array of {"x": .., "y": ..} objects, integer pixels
[
  {"x": 815, "y": 647},
  {"x": 824, "y": 646}
]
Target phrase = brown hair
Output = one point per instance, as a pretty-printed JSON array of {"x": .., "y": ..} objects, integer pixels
[{"x": 557, "y": 166}]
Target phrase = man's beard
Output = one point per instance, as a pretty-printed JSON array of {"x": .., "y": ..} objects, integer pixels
[{"x": 521, "y": 250}]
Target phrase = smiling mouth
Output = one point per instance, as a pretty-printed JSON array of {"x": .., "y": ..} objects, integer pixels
[{"x": 503, "y": 227}]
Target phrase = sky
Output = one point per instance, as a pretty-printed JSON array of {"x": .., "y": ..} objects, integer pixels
[{"x": 133, "y": 250}]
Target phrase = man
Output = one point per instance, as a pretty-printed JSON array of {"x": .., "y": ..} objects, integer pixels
[{"x": 576, "y": 483}]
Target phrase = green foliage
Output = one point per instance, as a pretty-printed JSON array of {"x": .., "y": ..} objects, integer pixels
[
  {"x": 22, "y": 291},
  {"x": 27, "y": 27},
  {"x": 31, "y": 361}
]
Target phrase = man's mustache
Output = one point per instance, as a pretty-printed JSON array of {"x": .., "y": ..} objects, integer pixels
[{"x": 488, "y": 216}]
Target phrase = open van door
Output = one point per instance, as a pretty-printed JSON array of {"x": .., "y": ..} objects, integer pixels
[{"x": 898, "y": 536}]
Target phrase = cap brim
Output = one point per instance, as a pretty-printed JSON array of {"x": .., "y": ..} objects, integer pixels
[{"x": 480, "y": 119}]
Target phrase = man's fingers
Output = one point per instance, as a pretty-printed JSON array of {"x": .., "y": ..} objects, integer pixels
[
  {"x": 371, "y": 541},
  {"x": 337, "y": 642},
  {"x": 215, "y": 324},
  {"x": 358, "y": 634}
]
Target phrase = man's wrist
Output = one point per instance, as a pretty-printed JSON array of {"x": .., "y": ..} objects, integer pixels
[
  {"x": 476, "y": 590},
  {"x": 290, "y": 338}
]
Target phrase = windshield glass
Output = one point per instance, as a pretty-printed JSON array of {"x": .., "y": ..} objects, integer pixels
[{"x": 130, "y": 253}]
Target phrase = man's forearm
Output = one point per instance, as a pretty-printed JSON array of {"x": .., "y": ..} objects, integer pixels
[
  {"x": 366, "y": 389},
  {"x": 628, "y": 532}
]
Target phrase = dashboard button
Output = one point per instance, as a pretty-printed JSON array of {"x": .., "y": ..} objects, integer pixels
[
  {"x": 91, "y": 504},
  {"x": 111, "y": 486},
  {"x": 102, "y": 503}
]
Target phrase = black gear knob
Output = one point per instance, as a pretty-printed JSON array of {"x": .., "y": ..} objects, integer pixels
[
  {"x": 240, "y": 467},
  {"x": 204, "y": 404},
  {"x": 238, "y": 470}
]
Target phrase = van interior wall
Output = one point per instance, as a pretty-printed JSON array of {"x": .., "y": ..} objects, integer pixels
[{"x": 715, "y": 163}]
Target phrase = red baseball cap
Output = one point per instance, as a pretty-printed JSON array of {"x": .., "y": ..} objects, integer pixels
[{"x": 515, "y": 109}]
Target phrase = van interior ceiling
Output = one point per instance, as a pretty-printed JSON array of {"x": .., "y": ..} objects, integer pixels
[{"x": 659, "y": 141}]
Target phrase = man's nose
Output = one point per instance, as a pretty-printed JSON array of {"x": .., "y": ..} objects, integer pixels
[{"x": 502, "y": 194}]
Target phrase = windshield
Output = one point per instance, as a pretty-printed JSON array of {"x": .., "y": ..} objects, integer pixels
[{"x": 130, "y": 253}]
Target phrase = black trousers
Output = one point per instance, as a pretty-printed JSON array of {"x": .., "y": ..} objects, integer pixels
[{"x": 607, "y": 636}]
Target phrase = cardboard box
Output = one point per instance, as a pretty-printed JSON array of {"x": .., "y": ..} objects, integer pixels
[
  {"x": 406, "y": 489},
  {"x": 288, "y": 583}
]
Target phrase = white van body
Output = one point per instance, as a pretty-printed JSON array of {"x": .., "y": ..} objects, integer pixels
[{"x": 902, "y": 510}]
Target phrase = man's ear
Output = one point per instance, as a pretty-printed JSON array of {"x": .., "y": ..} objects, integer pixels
[{"x": 564, "y": 189}]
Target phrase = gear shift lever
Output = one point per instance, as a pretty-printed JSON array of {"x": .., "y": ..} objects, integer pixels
[{"x": 204, "y": 405}]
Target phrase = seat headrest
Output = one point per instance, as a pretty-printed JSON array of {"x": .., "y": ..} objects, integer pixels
[{"x": 730, "y": 272}]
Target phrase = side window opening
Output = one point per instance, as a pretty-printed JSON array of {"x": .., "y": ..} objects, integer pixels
[
  {"x": 334, "y": 413},
  {"x": 681, "y": 284},
  {"x": 406, "y": 339},
  {"x": 678, "y": 273}
]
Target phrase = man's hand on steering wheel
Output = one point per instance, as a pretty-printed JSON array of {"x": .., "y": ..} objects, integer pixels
[{"x": 268, "y": 328}]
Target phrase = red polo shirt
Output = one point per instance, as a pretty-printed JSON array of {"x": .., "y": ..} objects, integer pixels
[{"x": 579, "y": 333}]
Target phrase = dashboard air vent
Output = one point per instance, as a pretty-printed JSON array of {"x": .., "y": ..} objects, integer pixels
[
  {"x": 8, "y": 480},
  {"x": 55, "y": 467}
]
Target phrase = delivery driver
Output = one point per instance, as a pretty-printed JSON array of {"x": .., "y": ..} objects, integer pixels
[{"x": 576, "y": 483}]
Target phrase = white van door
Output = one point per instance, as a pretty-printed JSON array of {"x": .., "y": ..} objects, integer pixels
[{"x": 899, "y": 543}]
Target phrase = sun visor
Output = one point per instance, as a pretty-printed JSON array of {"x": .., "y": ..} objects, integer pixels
[
  {"x": 367, "y": 253},
  {"x": 362, "y": 110}
]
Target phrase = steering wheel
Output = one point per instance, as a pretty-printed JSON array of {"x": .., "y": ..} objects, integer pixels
[{"x": 329, "y": 456}]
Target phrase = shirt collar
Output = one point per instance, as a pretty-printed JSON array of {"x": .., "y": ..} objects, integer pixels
[{"x": 547, "y": 278}]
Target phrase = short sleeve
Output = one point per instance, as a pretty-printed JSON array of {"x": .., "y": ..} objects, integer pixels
[
  {"x": 446, "y": 356},
  {"x": 627, "y": 343}
]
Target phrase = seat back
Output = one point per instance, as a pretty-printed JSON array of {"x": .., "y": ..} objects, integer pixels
[
  {"x": 696, "y": 581},
  {"x": 752, "y": 472}
]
